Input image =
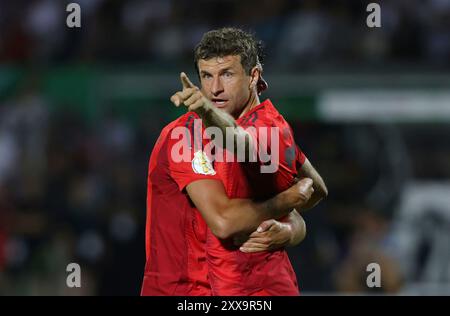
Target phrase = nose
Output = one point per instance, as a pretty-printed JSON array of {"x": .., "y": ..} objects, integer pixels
[{"x": 217, "y": 87}]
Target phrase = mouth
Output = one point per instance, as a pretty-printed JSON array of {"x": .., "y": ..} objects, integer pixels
[{"x": 220, "y": 103}]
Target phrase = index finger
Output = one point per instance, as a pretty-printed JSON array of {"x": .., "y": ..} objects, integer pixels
[{"x": 185, "y": 81}]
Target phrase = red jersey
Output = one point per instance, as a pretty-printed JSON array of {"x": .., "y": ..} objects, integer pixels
[
  {"x": 231, "y": 271},
  {"x": 175, "y": 230}
]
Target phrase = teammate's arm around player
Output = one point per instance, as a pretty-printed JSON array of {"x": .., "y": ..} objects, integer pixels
[
  {"x": 194, "y": 100},
  {"x": 272, "y": 234},
  {"x": 320, "y": 189},
  {"x": 227, "y": 217}
]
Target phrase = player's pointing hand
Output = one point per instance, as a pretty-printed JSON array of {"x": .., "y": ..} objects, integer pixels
[
  {"x": 190, "y": 96},
  {"x": 185, "y": 81}
]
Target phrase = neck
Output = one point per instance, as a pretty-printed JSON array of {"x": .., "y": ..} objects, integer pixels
[{"x": 253, "y": 100}]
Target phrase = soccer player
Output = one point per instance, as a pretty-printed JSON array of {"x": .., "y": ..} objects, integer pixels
[
  {"x": 176, "y": 232},
  {"x": 229, "y": 67}
]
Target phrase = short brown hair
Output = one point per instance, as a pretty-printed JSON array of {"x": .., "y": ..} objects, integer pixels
[{"x": 230, "y": 41}]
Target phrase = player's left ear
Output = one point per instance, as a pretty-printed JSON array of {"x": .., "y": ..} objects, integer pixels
[{"x": 255, "y": 74}]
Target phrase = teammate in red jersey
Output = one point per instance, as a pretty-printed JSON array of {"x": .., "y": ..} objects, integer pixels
[
  {"x": 175, "y": 231},
  {"x": 230, "y": 73}
]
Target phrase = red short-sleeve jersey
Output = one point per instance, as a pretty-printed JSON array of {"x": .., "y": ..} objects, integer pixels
[
  {"x": 231, "y": 271},
  {"x": 175, "y": 230}
]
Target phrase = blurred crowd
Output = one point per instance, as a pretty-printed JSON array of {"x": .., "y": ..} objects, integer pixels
[
  {"x": 297, "y": 33},
  {"x": 71, "y": 191}
]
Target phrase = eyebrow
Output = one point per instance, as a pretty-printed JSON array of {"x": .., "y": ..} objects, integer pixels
[
  {"x": 226, "y": 69},
  {"x": 204, "y": 72}
]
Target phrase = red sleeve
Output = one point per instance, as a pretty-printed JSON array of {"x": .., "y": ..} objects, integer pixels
[
  {"x": 188, "y": 162},
  {"x": 290, "y": 154},
  {"x": 258, "y": 126}
]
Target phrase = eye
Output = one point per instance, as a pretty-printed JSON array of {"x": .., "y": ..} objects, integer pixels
[
  {"x": 206, "y": 76},
  {"x": 228, "y": 74}
]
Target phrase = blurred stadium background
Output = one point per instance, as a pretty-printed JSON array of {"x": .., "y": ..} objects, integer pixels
[{"x": 80, "y": 110}]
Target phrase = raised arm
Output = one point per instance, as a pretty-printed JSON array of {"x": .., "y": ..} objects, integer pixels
[
  {"x": 194, "y": 100},
  {"x": 227, "y": 217},
  {"x": 320, "y": 190}
]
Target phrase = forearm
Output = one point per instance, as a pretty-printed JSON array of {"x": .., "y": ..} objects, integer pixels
[
  {"x": 320, "y": 189},
  {"x": 244, "y": 216},
  {"x": 213, "y": 117},
  {"x": 297, "y": 226},
  {"x": 312, "y": 202},
  {"x": 273, "y": 234},
  {"x": 226, "y": 217},
  {"x": 193, "y": 98}
]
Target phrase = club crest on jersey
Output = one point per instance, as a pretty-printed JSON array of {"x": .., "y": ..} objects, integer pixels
[{"x": 201, "y": 164}]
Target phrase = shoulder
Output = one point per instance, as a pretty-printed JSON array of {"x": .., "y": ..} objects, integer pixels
[
  {"x": 186, "y": 120},
  {"x": 277, "y": 119},
  {"x": 265, "y": 115},
  {"x": 258, "y": 117},
  {"x": 270, "y": 116},
  {"x": 166, "y": 132}
]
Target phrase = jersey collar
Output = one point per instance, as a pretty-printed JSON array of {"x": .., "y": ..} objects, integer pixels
[{"x": 266, "y": 103}]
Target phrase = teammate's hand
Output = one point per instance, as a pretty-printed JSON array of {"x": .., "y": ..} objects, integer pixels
[
  {"x": 190, "y": 96},
  {"x": 269, "y": 236}
]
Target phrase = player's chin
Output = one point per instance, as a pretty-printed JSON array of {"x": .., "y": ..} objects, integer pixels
[{"x": 228, "y": 109}]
